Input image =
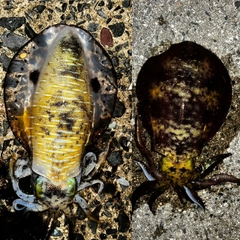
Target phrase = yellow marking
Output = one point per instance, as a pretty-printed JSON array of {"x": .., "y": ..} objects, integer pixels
[
  {"x": 197, "y": 91},
  {"x": 178, "y": 134},
  {"x": 156, "y": 92},
  {"x": 178, "y": 172},
  {"x": 23, "y": 55},
  {"x": 62, "y": 107},
  {"x": 196, "y": 132}
]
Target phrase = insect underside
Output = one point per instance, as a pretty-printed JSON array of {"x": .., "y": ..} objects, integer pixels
[{"x": 56, "y": 107}]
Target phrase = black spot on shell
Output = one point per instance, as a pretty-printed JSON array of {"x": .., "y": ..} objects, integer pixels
[
  {"x": 34, "y": 76},
  {"x": 95, "y": 85},
  {"x": 68, "y": 121},
  {"x": 11, "y": 82},
  {"x": 20, "y": 96},
  {"x": 172, "y": 169},
  {"x": 60, "y": 103}
]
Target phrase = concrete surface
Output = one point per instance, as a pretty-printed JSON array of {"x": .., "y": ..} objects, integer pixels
[
  {"x": 216, "y": 26},
  {"x": 20, "y": 20}
]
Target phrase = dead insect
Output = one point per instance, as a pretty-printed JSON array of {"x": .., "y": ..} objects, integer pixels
[
  {"x": 183, "y": 98},
  {"x": 60, "y": 92}
]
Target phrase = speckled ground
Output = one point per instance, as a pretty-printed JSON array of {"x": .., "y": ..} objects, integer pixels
[
  {"x": 156, "y": 25},
  {"x": 216, "y": 26},
  {"x": 19, "y": 22}
]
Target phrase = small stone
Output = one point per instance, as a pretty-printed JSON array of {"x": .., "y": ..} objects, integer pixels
[
  {"x": 124, "y": 143},
  {"x": 111, "y": 231},
  {"x": 122, "y": 181},
  {"x": 93, "y": 27},
  {"x": 13, "y": 41},
  {"x": 126, "y": 3},
  {"x": 106, "y": 37},
  {"x": 5, "y": 60},
  {"x": 117, "y": 29},
  {"x": 29, "y": 31},
  {"x": 64, "y": 7},
  {"x": 115, "y": 158},
  {"x": 123, "y": 222},
  {"x": 237, "y": 4},
  {"x": 12, "y": 23},
  {"x": 57, "y": 233},
  {"x": 119, "y": 109},
  {"x": 39, "y": 8}
]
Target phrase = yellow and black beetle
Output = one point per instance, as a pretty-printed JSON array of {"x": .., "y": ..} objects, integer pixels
[
  {"x": 60, "y": 92},
  {"x": 183, "y": 98}
]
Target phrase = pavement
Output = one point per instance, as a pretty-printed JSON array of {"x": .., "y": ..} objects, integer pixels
[{"x": 216, "y": 26}]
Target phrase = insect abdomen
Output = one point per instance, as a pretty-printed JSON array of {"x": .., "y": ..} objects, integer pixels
[{"x": 61, "y": 112}]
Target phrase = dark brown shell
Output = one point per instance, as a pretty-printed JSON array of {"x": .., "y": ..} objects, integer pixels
[{"x": 184, "y": 95}]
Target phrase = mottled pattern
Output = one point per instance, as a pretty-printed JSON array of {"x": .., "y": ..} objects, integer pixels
[
  {"x": 92, "y": 16},
  {"x": 183, "y": 98},
  {"x": 184, "y": 95},
  {"x": 50, "y": 90},
  {"x": 61, "y": 115},
  {"x": 60, "y": 93}
]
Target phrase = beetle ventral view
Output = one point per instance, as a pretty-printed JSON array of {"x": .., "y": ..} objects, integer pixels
[
  {"x": 184, "y": 95},
  {"x": 59, "y": 92}
]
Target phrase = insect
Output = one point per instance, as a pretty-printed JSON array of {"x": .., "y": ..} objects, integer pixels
[
  {"x": 183, "y": 98},
  {"x": 60, "y": 92}
]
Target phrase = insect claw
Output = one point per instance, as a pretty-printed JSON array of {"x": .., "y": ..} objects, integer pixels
[
  {"x": 147, "y": 188},
  {"x": 85, "y": 207},
  {"x": 216, "y": 179},
  {"x": 212, "y": 163},
  {"x": 193, "y": 196},
  {"x": 145, "y": 170},
  {"x": 153, "y": 197}
]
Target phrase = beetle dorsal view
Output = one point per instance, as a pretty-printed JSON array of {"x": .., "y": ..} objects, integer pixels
[
  {"x": 60, "y": 92},
  {"x": 183, "y": 98}
]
